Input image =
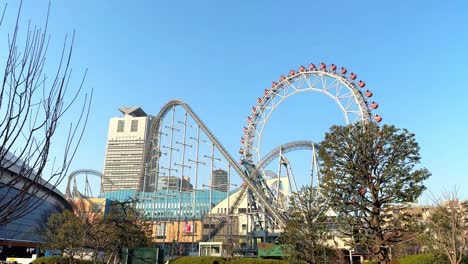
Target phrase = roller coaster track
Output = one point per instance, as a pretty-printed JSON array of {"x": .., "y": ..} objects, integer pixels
[
  {"x": 73, "y": 174},
  {"x": 285, "y": 148},
  {"x": 152, "y": 155}
]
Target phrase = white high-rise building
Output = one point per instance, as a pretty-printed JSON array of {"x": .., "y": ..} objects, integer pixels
[{"x": 126, "y": 142}]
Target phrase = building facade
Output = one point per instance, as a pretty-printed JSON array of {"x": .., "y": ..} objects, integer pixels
[
  {"x": 91, "y": 209},
  {"x": 219, "y": 180},
  {"x": 126, "y": 142},
  {"x": 20, "y": 238},
  {"x": 175, "y": 183}
]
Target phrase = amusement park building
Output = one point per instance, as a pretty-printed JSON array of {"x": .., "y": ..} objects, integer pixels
[
  {"x": 171, "y": 204},
  {"x": 126, "y": 142},
  {"x": 22, "y": 237},
  {"x": 176, "y": 216},
  {"x": 188, "y": 217}
]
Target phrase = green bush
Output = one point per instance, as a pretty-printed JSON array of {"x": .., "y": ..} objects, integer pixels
[
  {"x": 56, "y": 259},
  {"x": 198, "y": 260},
  {"x": 375, "y": 262},
  {"x": 49, "y": 260},
  {"x": 423, "y": 259},
  {"x": 210, "y": 260},
  {"x": 256, "y": 261}
]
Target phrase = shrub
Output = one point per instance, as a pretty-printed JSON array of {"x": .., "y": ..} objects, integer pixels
[
  {"x": 256, "y": 261},
  {"x": 49, "y": 260},
  {"x": 423, "y": 259},
  {"x": 57, "y": 259},
  {"x": 198, "y": 260},
  {"x": 210, "y": 260},
  {"x": 375, "y": 262}
]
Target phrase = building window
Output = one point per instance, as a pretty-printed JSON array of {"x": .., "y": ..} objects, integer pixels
[
  {"x": 160, "y": 231},
  {"x": 120, "y": 125},
  {"x": 188, "y": 228},
  {"x": 134, "y": 127},
  {"x": 208, "y": 226}
]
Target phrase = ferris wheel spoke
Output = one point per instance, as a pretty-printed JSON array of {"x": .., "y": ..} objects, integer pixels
[
  {"x": 292, "y": 86},
  {"x": 324, "y": 82},
  {"x": 347, "y": 102},
  {"x": 333, "y": 88},
  {"x": 346, "y": 95},
  {"x": 309, "y": 83},
  {"x": 301, "y": 84}
]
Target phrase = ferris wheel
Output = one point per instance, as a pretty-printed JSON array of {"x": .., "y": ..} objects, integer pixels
[{"x": 345, "y": 89}]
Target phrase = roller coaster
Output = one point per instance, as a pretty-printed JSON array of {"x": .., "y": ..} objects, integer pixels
[{"x": 182, "y": 146}]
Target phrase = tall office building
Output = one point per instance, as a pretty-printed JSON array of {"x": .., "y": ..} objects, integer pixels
[
  {"x": 126, "y": 142},
  {"x": 175, "y": 183},
  {"x": 219, "y": 180}
]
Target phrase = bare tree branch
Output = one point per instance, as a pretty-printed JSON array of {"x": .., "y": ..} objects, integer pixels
[
  {"x": 31, "y": 109},
  {"x": 446, "y": 227}
]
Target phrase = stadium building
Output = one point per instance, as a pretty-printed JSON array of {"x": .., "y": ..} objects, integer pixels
[{"x": 20, "y": 239}]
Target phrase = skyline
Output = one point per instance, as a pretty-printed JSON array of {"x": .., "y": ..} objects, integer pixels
[{"x": 222, "y": 55}]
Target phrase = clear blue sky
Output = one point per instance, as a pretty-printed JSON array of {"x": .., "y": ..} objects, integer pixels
[{"x": 218, "y": 56}]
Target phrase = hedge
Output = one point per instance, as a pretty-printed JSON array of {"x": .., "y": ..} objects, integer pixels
[
  {"x": 256, "y": 261},
  {"x": 423, "y": 259},
  {"x": 211, "y": 260},
  {"x": 198, "y": 260},
  {"x": 56, "y": 259}
]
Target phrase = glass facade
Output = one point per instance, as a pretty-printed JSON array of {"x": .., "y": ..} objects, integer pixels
[
  {"x": 27, "y": 228},
  {"x": 171, "y": 204}
]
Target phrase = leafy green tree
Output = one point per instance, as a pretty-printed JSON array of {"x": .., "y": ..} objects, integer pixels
[
  {"x": 306, "y": 230},
  {"x": 368, "y": 174},
  {"x": 66, "y": 232}
]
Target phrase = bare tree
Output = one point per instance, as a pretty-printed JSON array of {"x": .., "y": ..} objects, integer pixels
[
  {"x": 125, "y": 227},
  {"x": 32, "y": 106},
  {"x": 447, "y": 229},
  {"x": 307, "y": 228}
]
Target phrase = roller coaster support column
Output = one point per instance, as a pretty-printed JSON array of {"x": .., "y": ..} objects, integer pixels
[
  {"x": 182, "y": 170},
  {"x": 196, "y": 162},
  {"x": 212, "y": 159}
]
